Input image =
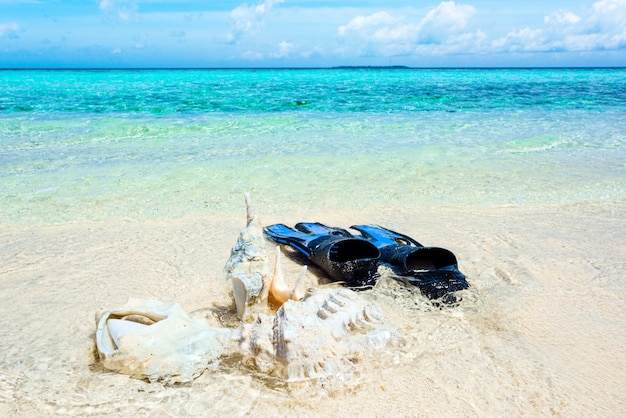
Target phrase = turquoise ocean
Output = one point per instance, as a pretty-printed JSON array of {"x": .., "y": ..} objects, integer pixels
[{"x": 104, "y": 145}]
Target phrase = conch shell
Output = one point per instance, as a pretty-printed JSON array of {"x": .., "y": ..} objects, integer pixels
[
  {"x": 248, "y": 270},
  {"x": 248, "y": 266},
  {"x": 151, "y": 339},
  {"x": 320, "y": 338}
]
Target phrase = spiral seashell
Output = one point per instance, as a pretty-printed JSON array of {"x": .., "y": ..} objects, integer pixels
[{"x": 321, "y": 337}]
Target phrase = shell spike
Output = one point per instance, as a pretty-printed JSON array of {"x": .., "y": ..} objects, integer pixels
[
  {"x": 250, "y": 212},
  {"x": 299, "y": 289},
  {"x": 279, "y": 293}
]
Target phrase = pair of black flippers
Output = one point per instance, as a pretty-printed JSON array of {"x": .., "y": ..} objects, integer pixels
[{"x": 354, "y": 259}]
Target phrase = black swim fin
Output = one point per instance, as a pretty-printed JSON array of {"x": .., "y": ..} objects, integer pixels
[
  {"x": 434, "y": 270},
  {"x": 345, "y": 258}
]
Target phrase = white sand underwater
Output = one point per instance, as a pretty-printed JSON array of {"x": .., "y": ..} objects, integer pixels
[{"x": 541, "y": 332}]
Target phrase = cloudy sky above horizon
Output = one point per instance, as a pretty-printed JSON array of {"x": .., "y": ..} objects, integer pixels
[{"x": 308, "y": 33}]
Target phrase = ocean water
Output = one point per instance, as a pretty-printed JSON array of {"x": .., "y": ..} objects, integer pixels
[{"x": 137, "y": 144}]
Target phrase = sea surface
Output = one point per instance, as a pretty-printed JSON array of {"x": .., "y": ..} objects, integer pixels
[{"x": 105, "y": 145}]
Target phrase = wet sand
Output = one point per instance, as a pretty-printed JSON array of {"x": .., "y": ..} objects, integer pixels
[{"x": 541, "y": 331}]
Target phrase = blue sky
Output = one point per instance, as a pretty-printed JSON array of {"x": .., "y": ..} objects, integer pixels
[{"x": 308, "y": 33}]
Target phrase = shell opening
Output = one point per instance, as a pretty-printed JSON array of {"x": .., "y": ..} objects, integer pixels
[{"x": 240, "y": 294}]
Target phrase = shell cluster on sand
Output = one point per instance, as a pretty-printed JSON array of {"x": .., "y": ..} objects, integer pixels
[{"x": 319, "y": 334}]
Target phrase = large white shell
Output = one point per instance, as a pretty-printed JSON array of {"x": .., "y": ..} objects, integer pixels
[
  {"x": 248, "y": 265},
  {"x": 159, "y": 341},
  {"x": 319, "y": 338}
]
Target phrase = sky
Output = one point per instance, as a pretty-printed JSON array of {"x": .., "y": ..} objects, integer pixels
[{"x": 310, "y": 33}]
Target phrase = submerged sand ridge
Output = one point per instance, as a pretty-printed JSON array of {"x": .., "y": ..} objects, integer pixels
[{"x": 540, "y": 332}]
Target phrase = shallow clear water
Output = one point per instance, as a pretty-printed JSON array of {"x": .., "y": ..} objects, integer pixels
[{"x": 103, "y": 145}]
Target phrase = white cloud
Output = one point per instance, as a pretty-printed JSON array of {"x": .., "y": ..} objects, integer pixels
[
  {"x": 362, "y": 24},
  {"x": 522, "y": 40},
  {"x": 380, "y": 27},
  {"x": 247, "y": 19},
  {"x": 609, "y": 17},
  {"x": 9, "y": 29},
  {"x": 388, "y": 35},
  {"x": 449, "y": 28},
  {"x": 604, "y": 28},
  {"x": 562, "y": 17},
  {"x": 444, "y": 20},
  {"x": 614, "y": 8},
  {"x": 125, "y": 10},
  {"x": 284, "y": 49}
]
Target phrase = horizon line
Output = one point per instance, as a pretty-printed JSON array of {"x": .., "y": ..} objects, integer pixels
[{"x": 335, "y": 67}]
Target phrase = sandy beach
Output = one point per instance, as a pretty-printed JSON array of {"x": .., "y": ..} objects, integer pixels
[{"x": 540, "y": 332}]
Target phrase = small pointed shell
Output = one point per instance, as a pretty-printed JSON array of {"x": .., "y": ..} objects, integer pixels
[
  {"x": 299, "y": 290},
  {"x": 278, "y": 293}
]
